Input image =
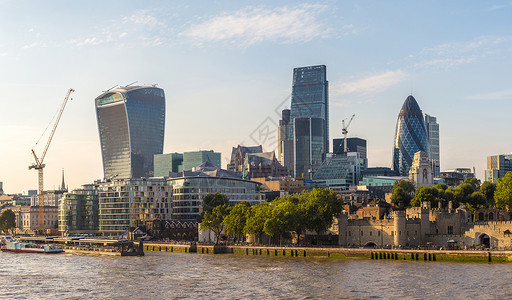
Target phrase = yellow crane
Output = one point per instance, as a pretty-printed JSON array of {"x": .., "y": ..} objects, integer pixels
[{"x": 38, "y": 165}]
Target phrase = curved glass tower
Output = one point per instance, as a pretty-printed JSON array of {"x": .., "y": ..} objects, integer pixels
[
  {"x": 410, "y": 136},
  {"x": 131, "y": 123}
]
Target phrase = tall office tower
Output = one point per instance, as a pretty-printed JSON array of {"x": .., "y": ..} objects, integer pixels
[
  {"x": 497, "y": 167},
  {"x": 308, "y": 144},
  {"x": 285, "y": 146},
  {"x": 310, "y": 99},
  {"x": 131, "y": 123},
  {"x": 195, "y": 158},
  {"x": 410, "y": 136},
  {"x": 353, "y": 145},
  {"x": 433, "y": 141},
  {"x": 166, "y": 163}
]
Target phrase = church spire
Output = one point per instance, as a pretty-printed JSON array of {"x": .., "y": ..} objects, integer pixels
[{"x": 63, "y": 184}]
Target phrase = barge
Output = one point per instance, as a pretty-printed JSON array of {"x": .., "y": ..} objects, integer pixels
[{"x": 20, "y": 247}]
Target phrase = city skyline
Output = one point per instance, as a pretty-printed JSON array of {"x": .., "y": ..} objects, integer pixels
[{"x": 214, "y": 73}]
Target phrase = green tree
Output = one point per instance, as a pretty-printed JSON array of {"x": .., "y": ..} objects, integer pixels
[
  {"x": 210, "y": 201},
  {"x": 475, "y": 183},
  {"x": 476, "y": 201},
  {"x": 462, "y": 193},
  {"x": 503, "y": 193},
  {"x": 7, "y": 221},
  {"x": 320, "y": 208},
  {"x": 300, "y": 203},
  {"x": 488, "y": 188},
  {"x": 402, "y": 192},
  {"x": 236, "y": 220},
  {"x": 282, "y": 218},
  {"x": 256, "y": 219},
  {"x": 214, "y": 220},
  {"x": 426, "y": 194}
]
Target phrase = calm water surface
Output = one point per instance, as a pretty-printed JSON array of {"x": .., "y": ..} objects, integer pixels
[{"x": 200, "y": 276}]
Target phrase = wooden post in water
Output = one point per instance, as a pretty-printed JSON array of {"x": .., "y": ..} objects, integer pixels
[
  {"x": 489, "y": 257},
  {"x": 372, "y": 255},
  {"x": 433, "y": 256},
  {"x": 268, "y": 252},
  {"x": 172, "y": 249},
  {"x": 284, "y": 253},
  {"x": 304, "y": 253},
  {"x": 429, "y": 257},
  {"x": 417, "y": 256},
  {"x": 425, "y": 256},
  {"x": 275, "y": 252},
  {"x": 296, "y": 253},
  {"x": 246, "y": 251}
]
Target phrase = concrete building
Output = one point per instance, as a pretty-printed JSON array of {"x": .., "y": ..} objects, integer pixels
[
  {"x": 497, "y": 167},
  {"x": 195, "y": 158},
  {"x": 79, "y": 210},
  {"x": 286, "y": 184},
  {"x": 189, "y": 189},
  {"x": 131, "y": 123},
  {"x": 50, "y": 198},
  {"x": 433, "y": 140},
  {"x": 456, "y": 177},
  {"x": 410, "y": 136},
  {"x": 166, "y": 163},
  {"x": 27, "y": 218},
  {"x": 122, "y": 202}
]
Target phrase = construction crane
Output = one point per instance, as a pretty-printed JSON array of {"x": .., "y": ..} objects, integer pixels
[
  {"x": 38, "y": 165},
  {"x": 345, "y": 132}
]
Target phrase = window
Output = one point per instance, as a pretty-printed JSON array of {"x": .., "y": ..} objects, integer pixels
[{"x": 450, "y": 229}]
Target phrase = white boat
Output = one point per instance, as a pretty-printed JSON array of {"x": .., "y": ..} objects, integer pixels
[{"x": 21, "y": 247}]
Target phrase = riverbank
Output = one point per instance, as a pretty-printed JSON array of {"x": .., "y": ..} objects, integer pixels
[{"x": 342, "y": 253}]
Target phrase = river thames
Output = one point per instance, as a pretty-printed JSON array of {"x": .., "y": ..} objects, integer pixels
[{"x": 194, "y": 276}]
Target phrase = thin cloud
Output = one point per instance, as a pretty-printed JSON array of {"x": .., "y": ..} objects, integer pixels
[
  {"x": 500, "y": 6},
  {"x": 248, "y": 27},
  {"x": 30, "y": 46},
  {"x": 142, "y": 17},
  {"x": 371, "y": 84},
  {"x": 2, "y": 54},
  {"x": 497, "y": 96}
]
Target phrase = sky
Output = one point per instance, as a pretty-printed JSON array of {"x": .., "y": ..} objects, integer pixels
[{"x": 226, "y": 69}]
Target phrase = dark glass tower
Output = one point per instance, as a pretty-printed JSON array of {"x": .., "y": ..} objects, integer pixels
[
  {"x": 410, "y": 136},
  {"x": 310, "y": 99},
  {"x": 131, "y": 123},
  {"x": 308, "y": 146}
]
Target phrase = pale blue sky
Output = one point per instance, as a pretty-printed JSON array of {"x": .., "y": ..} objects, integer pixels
[{"x": 226, "y": 67}]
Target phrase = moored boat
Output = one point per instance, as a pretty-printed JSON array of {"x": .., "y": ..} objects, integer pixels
[{"x": 21, "y": 247}]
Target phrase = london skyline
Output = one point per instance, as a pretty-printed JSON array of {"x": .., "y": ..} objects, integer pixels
[{"x": 226, "y": 69}]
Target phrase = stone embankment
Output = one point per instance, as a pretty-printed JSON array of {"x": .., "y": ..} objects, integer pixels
[{"x": 354, "y": 253}]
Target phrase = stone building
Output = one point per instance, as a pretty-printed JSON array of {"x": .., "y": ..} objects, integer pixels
[
  {"x": 27, "y": 218},
  {"x": 421, "y": 172}
]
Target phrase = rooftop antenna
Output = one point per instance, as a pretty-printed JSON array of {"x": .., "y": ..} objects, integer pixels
[
  {"x": 111, "y": 88},
  {"x": 131, "y": 83}
]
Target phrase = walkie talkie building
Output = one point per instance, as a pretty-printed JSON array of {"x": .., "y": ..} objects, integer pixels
[{"x": 131, "y": 123}]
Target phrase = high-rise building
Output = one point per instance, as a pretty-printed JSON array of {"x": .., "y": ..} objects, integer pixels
[
  {"x": 339, "y": 171},
  {"x": 410, "y": 136},
  {"x": 285, "y": 141},
  {"x": 308, "y": 146},
  {"x": 131, "y": 122},
  {"x": 195, "y": 158},
  {"x": 166, "y": 163},
  {"x": 433, "y": 140},
  {"x": 498, "y": 166},
  {"x": 310, "y": 100},
  {"x": 354, "y": 145},
  {"x": 79, "y": 209}
]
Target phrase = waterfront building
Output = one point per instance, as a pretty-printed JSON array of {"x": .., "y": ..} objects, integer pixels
[
  {"x": 131, "y": 122},
  {"x": 189, "y": 189},
  {"x": 421, "y": 173},
  {"x": 339, "y": 171},
  {"x": 122, "y": 202},
  {"x": 410, "y": 136},
  {"x": 433, "y": 141},
  {"x": 166, "y": 163},
  {"x": 456, "y": 177},
  {"x": 310, "y": 103},
  {"x": 27, "y": 218},
  {"x": 79, "y": 210},
  {"x": 50, "y": 198},
  {"x": 195, "y": 158},
  {"x": 497, "y": 167},
  {"x": 308, "y": 145},
  {"x": 285, "y": 141}
]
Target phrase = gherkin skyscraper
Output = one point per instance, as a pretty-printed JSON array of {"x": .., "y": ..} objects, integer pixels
[{"x": 410, "y": 136}]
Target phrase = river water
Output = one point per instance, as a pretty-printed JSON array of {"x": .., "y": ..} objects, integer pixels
[{"x": 202, "y": 276}]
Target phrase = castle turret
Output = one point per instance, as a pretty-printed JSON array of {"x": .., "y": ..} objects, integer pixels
[
  {"x": 424, "y": 222},
  {"x": 399, "y": 224},
  {"x": 342, "y": 228}
]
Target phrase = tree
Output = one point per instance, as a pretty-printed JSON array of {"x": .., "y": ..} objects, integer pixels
[
  {"x": 503, "y": 193},
  {"x": 475, "y": 183},
  {"x": 320, "y": 208},
  {"x": 7, "y": 221},
  {"x": 402, "y": 192},
  {"x": 282, "y": 218},
  {"x": 256, "y": 220},
  {"x": 426, "y": 194},
  {"x": 476, "y": 201},
  {"x": 488, "y": 188},
  {"x": 210, "y": 201},
  {"x": 462, "y": 193},
  {"x": 214, "y": 220},
  {"x": 237, "y": 218}
]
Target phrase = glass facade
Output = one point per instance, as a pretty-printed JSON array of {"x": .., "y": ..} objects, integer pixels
[
  {"x": 310, "y": 99},
  {"x": 308, "y": 146},
  {"x": 188, "y": 193},
  {"x": 195, "y": 158},
  {"x": 346, "y": 167},
  {"x": 410, "y": 136},
  {"x": 131, "y": 122},
  {"x": 433, "y": 139},
  {"x": 168, "y": 162},
  {"x": 78, "y": 210}
]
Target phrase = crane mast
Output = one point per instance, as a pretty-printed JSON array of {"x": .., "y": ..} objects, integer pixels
[
  {"x": 345, "y": 132},
  {"x": 39, "y": 166}
]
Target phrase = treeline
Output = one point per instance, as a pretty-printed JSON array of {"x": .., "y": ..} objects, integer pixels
[
  {"x": 470, "y": 193},
  {"x": 313, "y": 211}
]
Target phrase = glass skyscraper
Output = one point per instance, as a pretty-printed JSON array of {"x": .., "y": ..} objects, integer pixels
[
  {"x": 433, "y": 140},
  {"x": 310, "y": 99},
  {"x": 308, "y": 146},
  {"x": 131, "y": 123},
  {"x": 410, "y": 136}
]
